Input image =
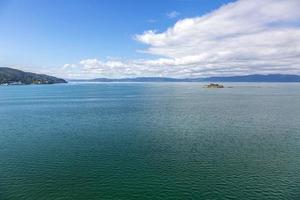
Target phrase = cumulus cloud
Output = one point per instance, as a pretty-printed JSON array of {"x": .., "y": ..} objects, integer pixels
[{"x": 243, "y": 37}]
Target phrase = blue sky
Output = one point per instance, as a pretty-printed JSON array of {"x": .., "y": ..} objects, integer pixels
[
  {"x": 55, "y": 32},
  {"x": 85, "y": 38}
]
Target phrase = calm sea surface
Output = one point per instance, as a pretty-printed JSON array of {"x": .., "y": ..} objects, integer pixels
[{"x": 126, "y": 141}]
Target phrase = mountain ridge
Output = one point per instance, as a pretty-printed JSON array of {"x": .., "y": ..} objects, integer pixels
[
  {"x": 10, "y": 76},
  {"x": 242, "y": 78}
]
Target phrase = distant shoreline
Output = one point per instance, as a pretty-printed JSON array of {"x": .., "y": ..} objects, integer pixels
[{"x": 271, "y": 78}]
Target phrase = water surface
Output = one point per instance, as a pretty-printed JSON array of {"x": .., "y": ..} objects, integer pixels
[{"x": 126, "y": 141}]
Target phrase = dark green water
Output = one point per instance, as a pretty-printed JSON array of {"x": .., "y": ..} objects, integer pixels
[{"x": 149, "y": 141}]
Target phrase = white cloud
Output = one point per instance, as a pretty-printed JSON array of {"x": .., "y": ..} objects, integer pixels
[
  {"x": 173, "y": 14},
  {"x": 243, "y": 37},
  {"x": 69, "y": 66}
]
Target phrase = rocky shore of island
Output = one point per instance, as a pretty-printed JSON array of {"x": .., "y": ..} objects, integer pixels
[{"x": 214, "y": 85}]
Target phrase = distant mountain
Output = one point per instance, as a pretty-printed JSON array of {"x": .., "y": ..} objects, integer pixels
[
  {"x": 256, "y": 78},
  {"x": 138, "y": 79},
  {"x": 247, "y": 78},
  {"x": 18, "y": 77}
]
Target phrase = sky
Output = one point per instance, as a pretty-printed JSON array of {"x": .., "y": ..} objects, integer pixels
[{"x": 162, "y": 38}]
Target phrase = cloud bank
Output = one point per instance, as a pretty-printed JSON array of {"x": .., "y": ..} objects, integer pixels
[{"x": 243, "y": 37}]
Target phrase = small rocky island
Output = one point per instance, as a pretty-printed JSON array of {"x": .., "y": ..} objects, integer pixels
[
  {"x": 214, "y": 85},
  {"x": 9, "y": 76}
]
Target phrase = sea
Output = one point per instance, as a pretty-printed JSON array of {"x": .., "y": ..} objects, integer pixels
[{"x": 139, "y": 141}]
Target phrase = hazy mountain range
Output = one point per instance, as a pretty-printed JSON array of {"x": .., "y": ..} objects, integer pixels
[
  {"x": 14, "y": 76},
  {"x": 247, "y": 78}
]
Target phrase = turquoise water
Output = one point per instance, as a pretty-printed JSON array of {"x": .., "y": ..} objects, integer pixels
[{"x": 127, "y": 141}]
